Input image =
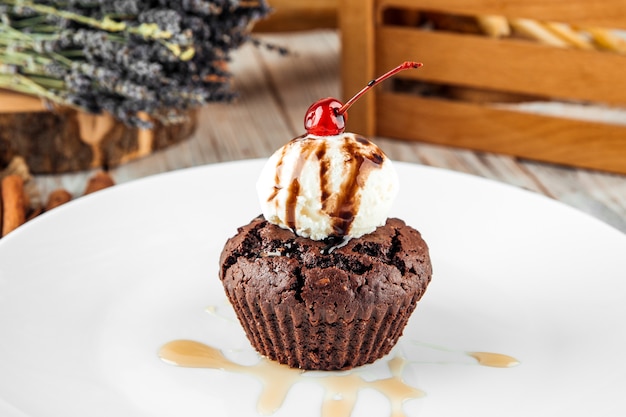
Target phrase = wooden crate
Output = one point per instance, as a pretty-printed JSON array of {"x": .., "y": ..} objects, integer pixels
[{"x": 375, "y": 38}]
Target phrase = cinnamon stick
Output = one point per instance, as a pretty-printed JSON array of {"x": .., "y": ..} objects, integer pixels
[
  {"x": 58, "y": 197},
  {"x": 13, "y": 203},
  {"x": 99, "y": 181}
]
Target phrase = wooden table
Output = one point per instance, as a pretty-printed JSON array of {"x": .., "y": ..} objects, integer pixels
[{"x": 275, "y": 92}]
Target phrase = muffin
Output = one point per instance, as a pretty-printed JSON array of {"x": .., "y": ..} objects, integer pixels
[
  {"x": 307, "y": 306},
  {"x": 323, "y": 279}
]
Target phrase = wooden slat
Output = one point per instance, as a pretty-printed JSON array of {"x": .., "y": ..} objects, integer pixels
[
  {"x": 293, "y": 95},
  {"x": 494, "y": 166},
  {"x": 506, "y": 65},
  {"x": 358, "y": 61},
  {"x": 601, "y": 13},
  {"x": 303, "y": 6},
  {"x": 480, "y": 127},
  {"x": 291, "y": 15},
  {"x": 602, "y": 195}
]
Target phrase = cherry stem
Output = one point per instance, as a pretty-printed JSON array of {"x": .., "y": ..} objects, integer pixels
[{"x": 404, "y": 66}]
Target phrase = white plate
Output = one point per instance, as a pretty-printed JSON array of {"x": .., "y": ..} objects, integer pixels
[{"x": 90, "y": 292}]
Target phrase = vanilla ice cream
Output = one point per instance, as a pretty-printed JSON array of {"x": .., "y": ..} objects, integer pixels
[{"x": 323, "y": 186}]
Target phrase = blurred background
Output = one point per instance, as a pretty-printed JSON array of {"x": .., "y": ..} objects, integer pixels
[{"x": 97, "y": 93}]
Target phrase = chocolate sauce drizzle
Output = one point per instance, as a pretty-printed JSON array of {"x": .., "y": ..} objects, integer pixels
[{"x": 361, "y": 158}]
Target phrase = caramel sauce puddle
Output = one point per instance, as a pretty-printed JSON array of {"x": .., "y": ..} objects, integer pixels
[
  {"x": 340, "y": 390},
  {"x": 494, "y": 360}
]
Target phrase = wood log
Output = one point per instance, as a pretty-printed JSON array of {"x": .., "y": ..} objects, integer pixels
[{"x": 65, "y": 140}]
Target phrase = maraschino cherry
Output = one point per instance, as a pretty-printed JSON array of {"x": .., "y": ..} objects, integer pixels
[{"x": 328, "y": 116}]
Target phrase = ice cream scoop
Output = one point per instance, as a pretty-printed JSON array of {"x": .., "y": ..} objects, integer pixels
[
  {"x": 328, "y": 186},
  {"x": 328, "y": 183}
]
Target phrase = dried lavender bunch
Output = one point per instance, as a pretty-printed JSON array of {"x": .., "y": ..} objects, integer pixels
[{"x": 127, "y": 57}]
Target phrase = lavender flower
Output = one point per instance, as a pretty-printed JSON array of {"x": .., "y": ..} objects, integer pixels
[{"x": 125, "y": 57}]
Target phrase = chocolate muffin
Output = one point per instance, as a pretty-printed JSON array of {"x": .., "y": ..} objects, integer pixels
[{"x": 324, "y": 304}]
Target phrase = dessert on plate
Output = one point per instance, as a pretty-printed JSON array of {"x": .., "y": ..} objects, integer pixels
[{"x": 323, "y": 279}]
